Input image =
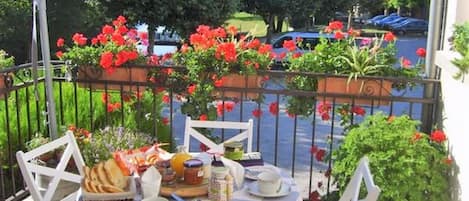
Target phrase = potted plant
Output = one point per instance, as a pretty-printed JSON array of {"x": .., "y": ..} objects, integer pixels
[
  {"x": 460, "y": 43},
  {"x": 406, "y": 164},
  {"x": 350, "y": 59},
  {"x": 106, "y": 56},
  {"x": 5, "y": 62},
  {"x": 215, "y": 58}
]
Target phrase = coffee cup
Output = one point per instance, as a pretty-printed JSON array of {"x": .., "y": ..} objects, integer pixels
[{"x": 269, "y": 183}]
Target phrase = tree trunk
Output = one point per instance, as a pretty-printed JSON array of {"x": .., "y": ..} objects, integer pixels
[
  {"x": 270, "y": 29},
  {"x": 398, "y": 10},
  {"x": 279, "y": 26},
  {"x": 151, "y": 38},
  {"x": 386, "y": 10},
  {"x": 349, "y": 20}
]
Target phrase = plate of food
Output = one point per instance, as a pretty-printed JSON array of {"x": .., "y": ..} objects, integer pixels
[{"x": 251, "y": 172}]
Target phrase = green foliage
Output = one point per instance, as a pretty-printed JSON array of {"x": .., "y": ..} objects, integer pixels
[
  {"x": 460, "y": 43},
  {"x": 142, "y": 115},
  {"x": 5, "y": 60},
  {"x": 404, "y": 164}
]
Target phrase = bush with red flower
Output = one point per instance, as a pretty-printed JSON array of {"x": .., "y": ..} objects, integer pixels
[
  {"x": 406, "y": 164},
  {"x": 110, "y": 49},
  {"x": 211, "y": 55}
]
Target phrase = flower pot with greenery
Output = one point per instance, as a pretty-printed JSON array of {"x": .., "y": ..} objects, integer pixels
[
  {"x": 351, "y": 59},
  {"x": 215, "y": 58},
  {"x": 5, "y": 78},
  {"x": 108, "y": 56},
  {"x": 405, "y": 163}
]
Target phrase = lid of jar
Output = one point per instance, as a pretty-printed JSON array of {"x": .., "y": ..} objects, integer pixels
[
  {"x": 234, "y": 144},
  {"x": 193, "y": 163},
  {"x": 219, "y": 172}
]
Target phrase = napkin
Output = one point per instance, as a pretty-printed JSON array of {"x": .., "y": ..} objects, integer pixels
[
  {"x": 151, "y": 182},
  {"x": 236, "y": 171}
]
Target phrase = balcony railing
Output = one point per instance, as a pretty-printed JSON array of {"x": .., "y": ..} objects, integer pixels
[{"x": 283, "y": 140}]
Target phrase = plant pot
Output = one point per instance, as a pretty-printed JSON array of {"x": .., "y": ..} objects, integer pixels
[
  {"x": 359, "y": 87},
  {"x": 128, "y": 76},
  {"x": 240, "y": 81}
]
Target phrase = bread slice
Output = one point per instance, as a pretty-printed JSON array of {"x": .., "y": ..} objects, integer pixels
[
  {"x": 114, "y": 174},
  {"x": 94, "y": 173},
  {"x": 102, "y": 177},
  {"x": 87, "y": 171},
  {"x": 112, "y": 189}
]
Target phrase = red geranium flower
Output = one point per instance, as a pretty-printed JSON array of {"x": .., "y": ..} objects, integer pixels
[
  {"x": 233, "y": 30},
  {"x": 289, "y": 45},
  {"x": 291, "y": 115},
  {"x": 438, "y": 136},
  {"x": 389, "y": 37},
  {"x": 421, "y": 52},
  {"x": 325, "y": 116},
  {"x": 203, "y": 147},
  {"x": 336, "y": 26},
  {"x": 191, "y": 89},
  {"x": 320, "y": 154},
  {"x": 60, "y": 42},
  {"x": 358, "y": 110},
  {"x": 94, "y": 41},
  {"x": 339, "y": 35},
  {"x": 165, "y": 121},
  {"x": 417, "y": 136},
  {"x": 406, "y": 63},
  {"x": 107, "y": 29},
  {"x": 166, "y": 99},
  {"x": 203, "y": 117},
  {"x": 59, "y": 54},
  {"x": 79, "y": 39},
  {"x": 273, "y": 108},
  {"x": 265, "y": 48},
  {"x": 257, "y": 113},
  {"x": 106, "y": 59},
  {"x": 184, "y": 48}
]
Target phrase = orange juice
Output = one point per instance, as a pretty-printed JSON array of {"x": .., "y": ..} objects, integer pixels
[{"x": 177, "y": 161}]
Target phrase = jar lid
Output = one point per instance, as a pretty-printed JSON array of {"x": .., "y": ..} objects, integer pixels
[
  {"x": 193, "y": 163},
  {"x": 234, "y": 144}
]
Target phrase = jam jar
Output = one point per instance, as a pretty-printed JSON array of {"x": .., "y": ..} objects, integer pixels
[
  {"x": 168, "y": 175},
  {"x": 193, "y": 172}
]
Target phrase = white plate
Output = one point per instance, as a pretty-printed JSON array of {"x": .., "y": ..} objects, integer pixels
[
  {"x": 254, "y": 189},
  {"x": 252, "y": 171}
]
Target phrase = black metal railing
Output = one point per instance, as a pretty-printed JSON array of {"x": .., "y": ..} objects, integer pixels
[{"x": 284, "y": 140}]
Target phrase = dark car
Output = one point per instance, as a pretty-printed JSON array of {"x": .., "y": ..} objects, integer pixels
[
  {"x": 380, "y": 23},
  {"x": 395, "y": 21},
  {"x": 373, "y": 19},
  {"x": 413, "y": 26}
]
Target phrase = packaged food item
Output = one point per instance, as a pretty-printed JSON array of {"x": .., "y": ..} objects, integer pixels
[
  {"x": 193, "y": 172},
  {"x": 177, "y": 161},
  {"x": 168, "y": 175},
  {"x": 220, "y": 186},
  {"x": 234, "y": 150}
]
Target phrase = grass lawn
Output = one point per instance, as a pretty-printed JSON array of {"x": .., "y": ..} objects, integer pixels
[{"x": 249, "y": 22}]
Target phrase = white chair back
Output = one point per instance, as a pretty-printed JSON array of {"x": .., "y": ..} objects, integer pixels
[
  {"x": 31, "y": 170},
  {"x": 245, "y": 127},
  {"x": 352, "y": 191}
]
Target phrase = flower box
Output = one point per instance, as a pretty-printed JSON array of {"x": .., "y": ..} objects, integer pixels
[
  {"x": 240, "y": 81},
  {"x": 358, "y": 87},
  {"x": 127, "y": 76}
]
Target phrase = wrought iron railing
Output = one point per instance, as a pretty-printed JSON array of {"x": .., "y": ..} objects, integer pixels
[{"x": 284, "y": 140}]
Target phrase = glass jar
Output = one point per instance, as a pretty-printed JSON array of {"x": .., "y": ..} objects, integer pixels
[
  {"x": 168, "y": 175},
  {"x": 193, "y": 172},
  {"x": 177, "y": 161},
  {"x": 234, "y": 150}
]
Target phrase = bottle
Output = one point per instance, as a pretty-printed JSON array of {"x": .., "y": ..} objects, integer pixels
[
  {"x": 217, "y": 187},
  {"x": 229, "y": 187},
  {"x": 177, "y": 161}
]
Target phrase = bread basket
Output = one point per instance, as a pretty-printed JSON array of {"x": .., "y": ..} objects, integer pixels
[{"x": 128, "y": 195}]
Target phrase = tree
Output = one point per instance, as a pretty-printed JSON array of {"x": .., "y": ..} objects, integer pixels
[
  {"x": 269, "y": 10},
  {"x": 178, "y": 15}
]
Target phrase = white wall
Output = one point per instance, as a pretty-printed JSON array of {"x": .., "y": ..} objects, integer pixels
[{"x": 455, "y": 95}]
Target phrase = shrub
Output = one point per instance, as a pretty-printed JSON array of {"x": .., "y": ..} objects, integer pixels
[{"x": 406, "y": 164}]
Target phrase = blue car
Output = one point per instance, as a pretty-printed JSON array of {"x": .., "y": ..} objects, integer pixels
[
  {"x": 395, "y": 21},
  {"x": 381, "y": 22},
  {"x": 373, "y": 19},
  {"x": 411, "y": 26}
]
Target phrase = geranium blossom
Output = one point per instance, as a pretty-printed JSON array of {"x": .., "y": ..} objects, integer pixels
[
  {"x": 421, "y": 52},
  {"x": 289, "y": 45},
  {"x": 438, "y": 136},
  {"x": 273, "y": 108},
  {"x": 257, "y": 113},
  {"x": 191, "y": 89},
  {"x": 165, "y": 121},
  {"x": 203, "y": 117},
  {"x": 406, "y": 63},
  {"x": 358, "y": 110},
  {"x": 389, "y": 36},
  {"x": 166, "y": 99},
  {"x": 60, "y": 42},
  {"x": 336, "y": 25},
  {"x": 339, "y": 35}
]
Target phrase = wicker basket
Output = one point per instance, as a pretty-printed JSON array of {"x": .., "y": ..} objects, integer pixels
[{"x": 128, "y": 195}]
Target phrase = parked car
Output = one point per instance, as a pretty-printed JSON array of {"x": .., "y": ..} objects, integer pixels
[
  {"x": 373, "y": 19},
  {"x": 310, "y": 40},
  {"x": 380, "y": 23},
  {"x": 395, "y": 21},
  {"x": 412, "y": 26}
]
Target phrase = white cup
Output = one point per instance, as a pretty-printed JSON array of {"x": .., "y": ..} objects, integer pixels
[{"x": 269, "y": 182}]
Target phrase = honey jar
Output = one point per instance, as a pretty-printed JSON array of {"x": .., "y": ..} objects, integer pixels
[{"x": 193, "y": 172}]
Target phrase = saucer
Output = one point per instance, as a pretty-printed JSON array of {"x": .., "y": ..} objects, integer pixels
[
  {"x": 155, "y": 199},
  {"x": 252, "y": 171},
  {"x": 254, "y": 189}
]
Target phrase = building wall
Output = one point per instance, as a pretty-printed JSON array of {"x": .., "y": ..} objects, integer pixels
[{"x": 455, "y": 96}]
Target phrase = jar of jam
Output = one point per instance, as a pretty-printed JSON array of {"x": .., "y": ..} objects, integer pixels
[
  {"x": 234, "y": 150},
  {"x": 193, "y": 172},
  {"x": 168, "y": 175}
]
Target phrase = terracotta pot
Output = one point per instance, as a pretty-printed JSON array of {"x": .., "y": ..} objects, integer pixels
[
  {"x": 358, "y": 87},
  {"x": 122, "y": 74},
  {"x": 240, "y": 81}
]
